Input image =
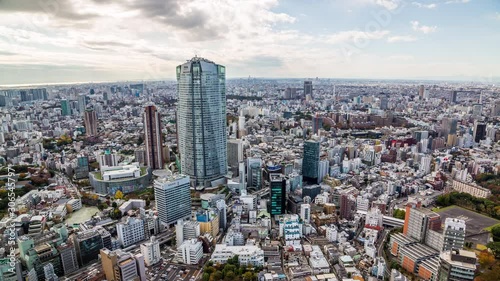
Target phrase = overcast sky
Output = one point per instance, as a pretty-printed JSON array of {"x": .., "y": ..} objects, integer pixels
[{"x": 47, "y": 41}]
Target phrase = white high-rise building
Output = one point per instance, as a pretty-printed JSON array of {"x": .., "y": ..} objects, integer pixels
[
  {"x": 130, "y": 232},
  {"x": 186, "y": 230},
  {"x": 323, "y": 167},
  {"x": 191, "y": 251},
  {"x": 305, "y": 212},
  {"x": 453, "y": 234},
  {"x": 362, "y": 204},
  {"x": 241, "y": 174},
  {"x": 151, "y": 251},
  {"x": 331, "y": 233},
  {"x": 425, "y": 164},
  {"x": 173, "y": 198},
  {"x": 201, "y": 121}
]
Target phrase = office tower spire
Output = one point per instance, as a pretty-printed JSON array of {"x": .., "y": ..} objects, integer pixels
[
  {"x": 201, "y": 117},
  {"x": 153, "y": 138}
]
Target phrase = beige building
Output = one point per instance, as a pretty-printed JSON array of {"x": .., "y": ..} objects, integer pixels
[
  {"x": 211, "y": 227},
  {"x": 472, "y": 189},
  {"x": 122, "y": 266}
]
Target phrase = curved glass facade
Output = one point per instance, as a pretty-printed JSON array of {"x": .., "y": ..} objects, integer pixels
[{"x": 201, "y": 120}]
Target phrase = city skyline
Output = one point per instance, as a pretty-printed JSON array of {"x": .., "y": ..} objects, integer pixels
[{"x": 83, "y": 41}]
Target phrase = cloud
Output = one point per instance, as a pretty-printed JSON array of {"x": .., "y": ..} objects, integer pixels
[
  {"x": 5, "y": 53},
  {"x": 401, "y": 57},
  {"x": 60, "y": 9},
  {"x": 388, "y": 4},
  {"x": 497, "y": 15},
  {"x": 423, "y": 28},
  {"x": 354, "y": 36},
  {"x": 201, "y": 20},
  {"x": 426, "y": 6},
  {"x": 457, "y": 1},
  {"x": 105, "y": 45},
  {"x": 402, "y": 38},
  {"x": 263, "y": 61}
]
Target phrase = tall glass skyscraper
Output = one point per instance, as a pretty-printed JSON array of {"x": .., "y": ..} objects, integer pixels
[
  {"x": 65, "y": 109},
  {"x": 201, "y": 120},
  {"x": 310, "y": 162}
]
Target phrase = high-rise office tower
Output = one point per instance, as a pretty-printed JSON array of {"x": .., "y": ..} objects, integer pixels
[
  {"x": 87, "y": 244},
  {"x": 82, "y": 103},
  {"x": 317, "y": 123},
  {"x": 418, "y": 221},
  {"x": 421, "y": 91},
  {"x": 82, "y": 167},
  {"x": 308, "y": 88},
  {"x": 278, "y": 194},
  {"x": 425, "y": 164},
  {"x": 153, "y": 138},
  {"x": 453, "y": 234},
  {"x": 420, "y": 135},
  {"x": 201, "y": 120},
  {"x": 347, "y": 206},
  {"x": 173, "y": 198},
  {"x": 496, "y": 109},
  {"x": 448, "y": 126},
  {"x": 479, "y": 131},
  {"x": 453, "y": 97},
  {"x": 477, "y": 109},
  {"x": 384, "y": 103},
  {"x": 254, "y": 167},
  {"x": 222, "y": 212},
  {"x": 310, "y": 161},
  {"x": 65, "y": 109},
  {"x": 234, "y": 155},
  {"x": 90, "y": 119}
]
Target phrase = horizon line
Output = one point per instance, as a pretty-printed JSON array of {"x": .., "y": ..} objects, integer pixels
[{"x": 426, "y": 79}]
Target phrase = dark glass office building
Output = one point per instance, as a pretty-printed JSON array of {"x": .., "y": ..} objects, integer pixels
[
  {"x": 310, "y": 162},
  {"x": 88, "y": 244},
  {"x": 278, "y": 194}
]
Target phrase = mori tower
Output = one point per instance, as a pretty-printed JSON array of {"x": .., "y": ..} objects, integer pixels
[{"x": 201, "y": 121}]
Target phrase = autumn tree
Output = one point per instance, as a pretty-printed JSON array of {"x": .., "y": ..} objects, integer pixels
[
  {"x": 486, "y": 259},
  {"x": 119, "y": 194}
]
